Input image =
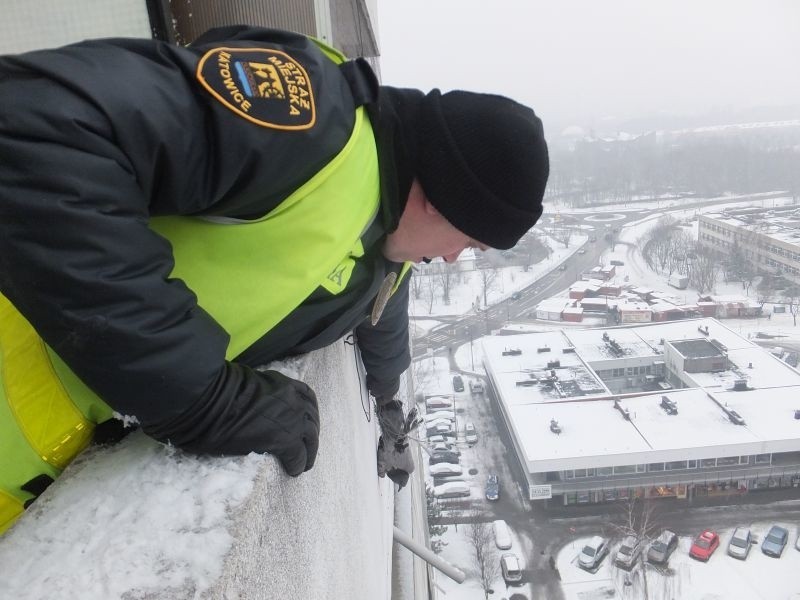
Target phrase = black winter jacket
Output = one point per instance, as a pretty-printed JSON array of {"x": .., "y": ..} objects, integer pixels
[{"x": 97, "y": 137}]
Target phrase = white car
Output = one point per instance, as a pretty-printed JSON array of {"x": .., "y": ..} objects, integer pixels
[
  {"x": 445, "y": 469},
  {"x": 511, "y": 568},
  {"x": 741, "y": 540},
  {"x": 471, "y": 433},
  {"x": 452, "y": 489},
  {"x": 593, "y": 552}
]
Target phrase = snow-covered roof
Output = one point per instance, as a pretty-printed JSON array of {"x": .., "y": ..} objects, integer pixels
[{"x": 595, "y": 433}]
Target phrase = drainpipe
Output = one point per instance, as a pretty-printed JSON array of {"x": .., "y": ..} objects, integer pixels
[{"x": 425, "y": 554}]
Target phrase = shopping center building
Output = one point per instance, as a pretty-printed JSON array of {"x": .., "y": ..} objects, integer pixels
[{"x": 679, "y": 409}]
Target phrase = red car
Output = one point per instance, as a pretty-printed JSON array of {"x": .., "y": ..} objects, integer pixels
[{"x": 704, "y": 545}]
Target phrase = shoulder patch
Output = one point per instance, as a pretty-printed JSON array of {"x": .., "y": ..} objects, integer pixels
[{"x": 265, "y": 86}]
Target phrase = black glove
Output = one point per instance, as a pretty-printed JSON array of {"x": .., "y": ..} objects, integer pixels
[
  {"x": 250, "y": 411},
  {"x": 394, "y": 459}
]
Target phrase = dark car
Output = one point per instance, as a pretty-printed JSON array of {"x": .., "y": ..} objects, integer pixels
[
  {"x": 442, "y": 457},
  {"x": 492, "y": 488},
  {"x": 663, "y": 546},
  {"x": 458, "y": 383},
  {"x": 775, "y": 541}
]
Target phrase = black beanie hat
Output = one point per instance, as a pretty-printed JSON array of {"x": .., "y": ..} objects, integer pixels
[{"x": 482, "y": 162}]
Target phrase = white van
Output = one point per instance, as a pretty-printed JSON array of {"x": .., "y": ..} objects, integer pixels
[{"x": 502, "y": 535}]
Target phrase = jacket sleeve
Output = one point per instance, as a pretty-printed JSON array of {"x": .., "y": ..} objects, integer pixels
[
  {"x": 384, "y": 346},
  {"x": 94, "y": 139}
]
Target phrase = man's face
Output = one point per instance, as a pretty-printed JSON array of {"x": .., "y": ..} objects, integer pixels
[{"x": 424, "y": 233}]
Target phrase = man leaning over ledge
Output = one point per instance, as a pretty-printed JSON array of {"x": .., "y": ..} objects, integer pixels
[{"x": 173, "y": 217}]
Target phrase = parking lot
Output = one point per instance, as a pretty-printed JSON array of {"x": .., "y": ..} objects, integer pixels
[
  {"x": 758, "y": 577},
  {"x": 540, "y": 534}
]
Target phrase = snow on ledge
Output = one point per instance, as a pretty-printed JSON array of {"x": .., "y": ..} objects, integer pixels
[{"x": 142, "y": 520}]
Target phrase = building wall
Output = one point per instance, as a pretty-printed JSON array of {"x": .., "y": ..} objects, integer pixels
[
  {"x": 26, "y": 25},
  {"x": 762, "y": 251}
]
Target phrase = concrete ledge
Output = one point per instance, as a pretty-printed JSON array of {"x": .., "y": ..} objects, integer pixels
[{"x": 141, "y": 520}]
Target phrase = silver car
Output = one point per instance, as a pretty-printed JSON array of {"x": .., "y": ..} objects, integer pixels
[
  {"x": 663, "y": 546},
  {"x": 629, "y": 551},
  {"x": 741, "y": 540},
  {"x": 593, "y": 552}
]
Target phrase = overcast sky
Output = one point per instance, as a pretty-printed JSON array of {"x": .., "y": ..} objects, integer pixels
[{"x": 576, "y": 61}]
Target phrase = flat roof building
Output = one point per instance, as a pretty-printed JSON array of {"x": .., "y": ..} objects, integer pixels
[{"x": 675, "y": 409}]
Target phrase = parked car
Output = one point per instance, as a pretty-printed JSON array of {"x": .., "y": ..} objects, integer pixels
[
  {"x": 442, "y": 439},
  {"x": 471, "y": 433},
  {"x": 775, "y": 541},
  {"x": 562, "y": 267},
  {"x": 593, "y": 552},
  {"x": 445, "y": 447},
  {"x": 438, "y": 403},
  {"x": 502, "y": 535},
  {"x": 593, "y": 239},
  {"x": 476, "y": 387},
  {"x": 663, "y": 546},
  {"x": 438, "y": 428},
  {"x": 704, "y": 545},
  {"x": 458, "y": 383},
  {"x": 444, "y": 456},
  {"x": 741, "y": 540},
  {"x": 516, "y": 295},
  {"x": 448, "y": 415},
  {"x": 629, "y": 551},
  {"x": 511, "y": 568},
  {"x": 452, "y": 489},
  {"x": 492, "y": 488},
  {"x": 445, "y": 469},
  {"x": 582, "y": 251}
]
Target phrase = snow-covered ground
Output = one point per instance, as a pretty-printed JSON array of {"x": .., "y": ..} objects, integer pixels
[
  {"x": 467, "y": 288},
  {"x": 759, "y": 577}
]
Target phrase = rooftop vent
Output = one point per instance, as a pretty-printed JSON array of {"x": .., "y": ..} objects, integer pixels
[
  {"x": 543, "y": 349},
  {"x": 568, "y": 350},
  {"x": 703, "y": 330},
  {"x": 735, "y": 417},
  {"x": 527, "y": 382},
  {"x": 797, "y": 414},
  {"x": 553, "y": 364},
  {"x": 605, "y": 337},
  {"x": 512, "y": 352},
  {"x": 626, "y": 414},
  {"x": 740, "y": 385},
  {"x": 555, "y": 427},
  {"x": 669, "y": 406}
]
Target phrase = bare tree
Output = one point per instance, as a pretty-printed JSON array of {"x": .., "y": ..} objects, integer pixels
[
  {"x": 485, "y": 559},
  {"x": 488, "y": 283},
  {"x": 791, "y": 297},
  {"x": 637, "y": 518},
  {"x": 445, "y": 273},
  {"x": 417, "y": 284},
  {"x": 704, "y": 270}
]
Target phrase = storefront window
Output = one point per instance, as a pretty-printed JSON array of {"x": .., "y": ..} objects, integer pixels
[
  {"x": 605, "y": 471},
  {"x": 763, "y": 459},
  {"x": 569, "y": 474},
  {"x": 641, "y": 468},
  {"x": 676, "y": 464},
  {"x": 580, "y": 473},
  {"x": 655, "y": 467},
  {"x": 708, "y": 462},
  {"x": 692, "y": 464},
  {"x": 726, "y": 461},
  {"x": 744, "y": 460},
  {"x": 624, "y": 469},
  {"x": 590, "y": 472}
]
